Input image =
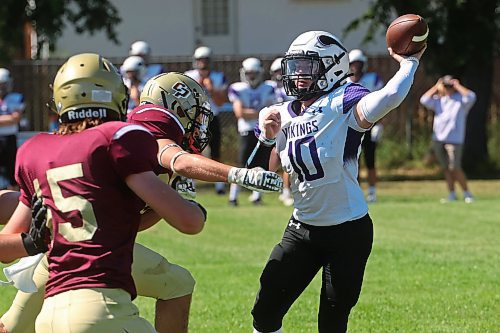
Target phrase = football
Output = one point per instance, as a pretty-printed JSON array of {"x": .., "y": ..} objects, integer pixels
[{"x": 407, "y": 34}]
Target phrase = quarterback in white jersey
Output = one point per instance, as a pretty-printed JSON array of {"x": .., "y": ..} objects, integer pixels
[
  {"x": 319, "y": 148},
  {"x": 317, "y": 138}
]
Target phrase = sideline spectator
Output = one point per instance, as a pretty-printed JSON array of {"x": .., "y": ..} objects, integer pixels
[
  {"x": 371, "y": 81},
  {"x": 451, "y": 102},
  {"x": 248, "y": 97},
  {"x": 133, "y": 71},
  {"x": 142, "y": 49},
  {"x": 11, "y": 111},
  {"x": 215, "y": 84}
]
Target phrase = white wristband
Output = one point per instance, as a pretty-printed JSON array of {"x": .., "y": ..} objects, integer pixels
[
  {"x": 167, "y": 146},
  {"x": 174, "y": 158},
  {"x": 265, "y": 141}
]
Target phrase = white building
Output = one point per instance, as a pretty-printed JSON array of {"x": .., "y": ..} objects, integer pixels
[{"x": 177, "y": 27}]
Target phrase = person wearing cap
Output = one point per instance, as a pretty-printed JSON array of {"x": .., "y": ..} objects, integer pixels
[
  {"x": 11, "y": 111},
  {"x": 372, "y": 81},
  {"x": 450, "y": 101},
  {"x": 142, "y": 49},
  {"x": 133, "y": 71},
  {"x": 215, "y": 84}
]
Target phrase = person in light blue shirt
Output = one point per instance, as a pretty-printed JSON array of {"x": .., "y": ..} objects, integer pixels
[
  {"x": 11, "y": 111},
  {"x": 450, "y": 101}
]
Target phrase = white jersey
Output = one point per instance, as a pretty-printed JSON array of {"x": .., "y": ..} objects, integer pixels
[
  {"x": 219, "y": 83},
  {"x": 258, "y": 98},
  {"x": 320, "y": 149}
]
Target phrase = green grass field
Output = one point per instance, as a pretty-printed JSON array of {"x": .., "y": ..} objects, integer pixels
[{"x": 434, "y": 267}]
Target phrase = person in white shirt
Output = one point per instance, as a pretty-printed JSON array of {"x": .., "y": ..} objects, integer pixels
[
  {"x": 248, "y": 97},
  {"x": 371, "y": 81},
  {"x": 450, "y": 101},
  {"x": 316, "y": 139}
]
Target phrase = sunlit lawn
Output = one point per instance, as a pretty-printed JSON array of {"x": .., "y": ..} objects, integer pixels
[{"x": 434, "y": 267}]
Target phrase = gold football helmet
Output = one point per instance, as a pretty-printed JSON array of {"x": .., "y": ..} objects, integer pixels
[
  {"x": 187, "y": 100},
  {"x": 89, "y": 86}
]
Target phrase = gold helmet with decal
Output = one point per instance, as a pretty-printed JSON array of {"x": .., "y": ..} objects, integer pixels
[
  {"x": 89, "y": 86},
  {"x": 187, "y": 100}
]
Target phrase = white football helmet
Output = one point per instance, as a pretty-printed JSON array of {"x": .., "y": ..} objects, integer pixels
[
  {"x": 276, "y": 65},
  {"x": 201, "y": 58},
  {"x": 275, "y": 69},
  {"x": 139, "y": 48},
  {"x": 202, "y": 52},
  {"x": 135, "y": 64},
  {"x": 6, "y": 79},
  {"x": 358, "y": 55},
  {"x": 251, "y": 71},
  {"x": 318, "y": 56}
]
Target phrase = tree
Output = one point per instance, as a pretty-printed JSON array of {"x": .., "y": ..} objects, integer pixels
[
  {"x": 48, "y": 18},
  {"x": 463, "y": 41}
]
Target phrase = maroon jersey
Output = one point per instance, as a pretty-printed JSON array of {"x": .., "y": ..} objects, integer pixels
[
  {"x": 160, "y": 122},
  {"x": 94, "y": 215}
]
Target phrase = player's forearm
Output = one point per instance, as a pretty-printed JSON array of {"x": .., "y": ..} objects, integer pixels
[
  {"x": 10, "y": 119},
  {"x": 148, "y": 219},
  {"x": 11, "y": 248},
  {"x": 377, "y": 104},
  {"x": 8, "y": 204},
  {"x": 201, "y": 168}
]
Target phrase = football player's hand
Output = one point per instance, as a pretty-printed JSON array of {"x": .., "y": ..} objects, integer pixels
[
  {"x": 256, "y": 179},
  {"x": 270, "y": 124},
  {"x": 37, "y": 239},
  {"x": 184, "y": 186}
]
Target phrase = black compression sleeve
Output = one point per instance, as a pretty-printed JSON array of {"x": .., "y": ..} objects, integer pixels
[{"x": 260, "y": 156}]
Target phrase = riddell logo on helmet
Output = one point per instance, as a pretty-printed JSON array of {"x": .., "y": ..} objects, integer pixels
[{"x": 87, "y": 113}]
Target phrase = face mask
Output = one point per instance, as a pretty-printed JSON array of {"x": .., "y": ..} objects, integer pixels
[{"x": 21, "y": 273}]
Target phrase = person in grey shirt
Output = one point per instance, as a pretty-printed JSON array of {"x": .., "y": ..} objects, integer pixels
[{"x": 450, "y": 101}]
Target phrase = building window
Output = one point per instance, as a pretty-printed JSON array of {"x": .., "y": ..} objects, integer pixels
[{"x": 215, "y": 17}]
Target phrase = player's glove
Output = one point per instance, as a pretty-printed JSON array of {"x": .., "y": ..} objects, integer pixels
[
  {"x": 37, "y": 239},
  {"x": 256, "y": 179},
  {"x": 184, "y": 186}
]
